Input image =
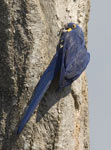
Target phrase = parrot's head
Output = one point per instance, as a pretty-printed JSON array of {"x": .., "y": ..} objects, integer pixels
[{"x": 71, "y": 26}]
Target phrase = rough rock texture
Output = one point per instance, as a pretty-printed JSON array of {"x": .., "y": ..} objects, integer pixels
[{"x": 28, "y": 39}]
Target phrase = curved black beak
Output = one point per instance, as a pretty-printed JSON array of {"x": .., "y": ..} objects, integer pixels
[
  {"x": 60, "y": 32},
  {"x": 66, "y": 26}
]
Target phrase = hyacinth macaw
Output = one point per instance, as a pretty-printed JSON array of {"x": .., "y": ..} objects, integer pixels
[{"x": 70, "y": 61}]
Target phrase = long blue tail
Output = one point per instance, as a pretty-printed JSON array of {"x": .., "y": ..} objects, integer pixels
[{"x": 41, "y": 88}]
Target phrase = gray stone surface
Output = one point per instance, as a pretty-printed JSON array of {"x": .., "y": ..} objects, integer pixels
[{"x": 28, "y": 39}]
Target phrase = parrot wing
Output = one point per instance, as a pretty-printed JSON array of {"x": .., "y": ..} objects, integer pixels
[
  {"x": 78, "y": 65},
  {"x": 74, "y": 59}
]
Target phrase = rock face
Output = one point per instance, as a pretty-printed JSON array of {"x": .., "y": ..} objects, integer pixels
[{"x": 28, "y": 39}]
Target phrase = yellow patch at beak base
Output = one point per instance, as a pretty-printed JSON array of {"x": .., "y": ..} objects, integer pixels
[{"x": 69, "y": 29}]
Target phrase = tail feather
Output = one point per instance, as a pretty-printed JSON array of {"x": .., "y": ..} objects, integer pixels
[{"x": 40, "y": 90}]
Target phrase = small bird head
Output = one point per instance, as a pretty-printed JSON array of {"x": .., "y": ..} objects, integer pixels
[{"x": 71, "y": 26}]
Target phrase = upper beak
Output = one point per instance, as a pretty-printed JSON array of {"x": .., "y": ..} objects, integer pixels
[{"x": 65, "y": 27}]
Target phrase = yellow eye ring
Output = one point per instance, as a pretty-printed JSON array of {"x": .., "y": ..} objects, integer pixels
[{"x": 74, "y": 25}]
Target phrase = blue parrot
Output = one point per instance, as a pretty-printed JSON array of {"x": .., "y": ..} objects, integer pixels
[{"x": 70, "y": 60}]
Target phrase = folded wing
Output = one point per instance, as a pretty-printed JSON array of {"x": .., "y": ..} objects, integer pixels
[{"x": 75, "y": 59}]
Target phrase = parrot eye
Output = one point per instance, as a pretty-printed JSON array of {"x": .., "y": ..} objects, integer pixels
[{"x": 74, "y": 26}]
